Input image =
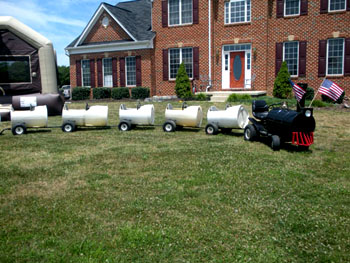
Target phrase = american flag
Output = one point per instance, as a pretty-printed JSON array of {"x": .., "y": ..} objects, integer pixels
[
  {"x": 298, "y": 91},
  {"x": 330, "y": 89}
]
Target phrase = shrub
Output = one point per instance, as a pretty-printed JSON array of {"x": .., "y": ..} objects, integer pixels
[
  {"x": 101, "y": 93},
  {"x": 139, "y": 93},
  {"x": 329, "y": 100},
  {"x": 183, "y": 84},
  {"x": 310, "y": 93},
  {"x": 81, "y": 93},
  {"x": 318, "y": 103},
  {"x": 238, "y": 97},
  {"x": 282, "y": 88},
  {"x": 120, "y": 93},
  {"x": 202, "y": 97}
]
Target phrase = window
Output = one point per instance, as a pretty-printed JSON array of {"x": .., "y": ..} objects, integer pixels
[
  {"x": 335, "y": 56},
  {"x": 107, "y": 72},
  {"x": 226, "y": 62},
  {"x": 14, "y": 69},
  {"x": 237, "y": 11},
  {"x": 85, "y": 66},
  {"x": 337, "y": 5},
  {"x": 291, "y": 7},
  {"x": 180, "y": 12},
  {"x": 130, "y": 71},
  {"x": 176, "y": 57},
  {"x": 291, "y": 55}
]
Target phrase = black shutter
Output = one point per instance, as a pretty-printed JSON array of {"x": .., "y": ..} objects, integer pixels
[
  {"x": 196, "y": 63},
  {"x": 92, "y": 73},
  {"x": 114, "y": 72},
  {"x": 165, "y": 65},
  {"x": 279, "y": 57},
  {"x": 164, "y": 13},
  {"x": 303, "y": 7},
  {"x": 280, "y": 8},
  {"x": 78, "y": 72},
  {"x": 347, "y": 58},
  {"x": 99, "y": 73},
  {"x": 138, "y": 72},
  {"x": 322, "y": 52},
  {"x": 122, "y": 71},
  {"x": 195, "y": 12},
  {"x": 302, "y": 58},
  {"x": 347, "y": 5},
  {"x": 324, "y": 6}
]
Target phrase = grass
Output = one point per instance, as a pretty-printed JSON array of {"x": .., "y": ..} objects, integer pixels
[{"x": 100, "y": 195}]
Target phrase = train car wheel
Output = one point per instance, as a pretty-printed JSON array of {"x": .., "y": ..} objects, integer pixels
[
  {"x": 68, "y": 127},
  {"x": 169, "y": 126},
  {"x": 250, "y": 133},
  {"x": 211, "y": 129},
  {"x": 124, "y": 126},
  {"x": 275, "y": 142},
  {"x": 19, "y": 130}
]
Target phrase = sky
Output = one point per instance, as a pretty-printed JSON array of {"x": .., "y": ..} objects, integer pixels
[{"x": 60, "y": 21}]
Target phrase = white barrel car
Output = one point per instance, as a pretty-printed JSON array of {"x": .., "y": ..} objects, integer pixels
[
  {"x": 233, "y": 117},
  {"x": 186, "y": 116},
  {"x": 141, "y": 115}
]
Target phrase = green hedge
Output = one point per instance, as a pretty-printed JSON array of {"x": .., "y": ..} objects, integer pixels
[
  {"x": 120, "y": 93},
  {"x": 81, "y": 93},
  {"x": 140, "y": 93},
  {"x": 310, "y": 93},
  {"x": 238, "y": 97},
  {"x": 201, "y": 97},
  {"x": 101, "y": 93}
]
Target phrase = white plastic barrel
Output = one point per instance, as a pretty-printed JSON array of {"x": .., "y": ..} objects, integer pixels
[
  {"x": 94, "y": 116},
  {"x": 235, "y": 117},
  {"x": 141, "y": 116},
  {"x": 35, "y": 118},
  {"x": 189, "y": 117}
]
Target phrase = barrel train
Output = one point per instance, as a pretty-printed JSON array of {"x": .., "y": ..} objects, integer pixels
[{"x": 278, "y": 123}]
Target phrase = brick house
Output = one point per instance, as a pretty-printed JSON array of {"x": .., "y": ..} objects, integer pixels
[{"x": 232, "y": 45}]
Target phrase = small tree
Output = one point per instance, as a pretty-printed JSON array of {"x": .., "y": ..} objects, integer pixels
[
  {"x": 282, "y": 88},
  {"x": 183, "y": 84}
]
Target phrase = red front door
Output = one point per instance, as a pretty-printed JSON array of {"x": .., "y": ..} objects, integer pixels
[{"x": 237, "y": 74}]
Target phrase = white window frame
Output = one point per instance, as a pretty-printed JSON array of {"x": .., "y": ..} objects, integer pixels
[
  {"x": 245, "y": 12},
  {"x": 126, "y": 72},
  {"x": 180, "y": 15},
  {"x": 342, "y": 73},
  {"x": 30, "y": 69},
  {"x": 82, "y": 72},
  {"x": 293, "y": 76},
  {"x": 338, "y": 10},
  {"x": 103, "y": 72},
  {"x": 285, "y": 7},
  {"x": 179, "y": 62}
]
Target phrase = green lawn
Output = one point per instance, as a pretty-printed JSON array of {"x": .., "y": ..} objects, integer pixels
[{"x": 149, "y": 196}]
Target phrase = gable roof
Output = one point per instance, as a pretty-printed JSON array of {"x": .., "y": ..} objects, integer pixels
[{"x": 134, "y": 17}]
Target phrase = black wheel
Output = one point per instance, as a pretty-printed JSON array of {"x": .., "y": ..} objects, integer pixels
[
  {"x": 124, "y": 126},
  {"x": 19, "y": 130},
  {"x": 169, "y": 126},
  {"x": 226, "y": 130},
  {"x": 275, "y": 142},
  {"x": 211, "y": 129},
  {"x": 250, "y": 133},
  {"x": 68, "y": 127}
]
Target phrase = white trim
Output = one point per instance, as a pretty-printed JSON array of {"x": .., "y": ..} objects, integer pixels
[
  {"x": 82, "y": 72},
  {"x": 126, "y": 72},
  {"x": 338, "y": 10},
  {"x": 284, "y": 10},
  {"x": 298, "y": 43},
  {"x": 30, "y": 70},
  {"x": 343, "y": 65},
  {"x": 103, "y": 73},
  {"x": 110, "y": 47},
  {"x": 180, "y": 15},
  {"x": 93, "y": 21},
  {"x": 172, "y": 79},
  {"x": 245, "y": 12}
]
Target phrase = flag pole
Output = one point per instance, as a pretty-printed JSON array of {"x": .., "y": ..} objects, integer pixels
[{"x": 316, "y": 93}]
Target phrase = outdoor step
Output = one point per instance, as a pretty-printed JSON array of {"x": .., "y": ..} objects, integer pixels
[{"x": 221, "y": 96}]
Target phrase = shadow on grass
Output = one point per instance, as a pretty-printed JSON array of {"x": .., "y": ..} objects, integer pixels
[{"x": 287, "y": 146}]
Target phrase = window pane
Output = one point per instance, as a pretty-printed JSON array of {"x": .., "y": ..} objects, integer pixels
[
  {"x": 291, "y": 57},
  {"x": 237, "y": 11},
  {"x": 336, "y": 5},
  {"x": 186, "y": 12},
  {"x": 14, "y": 69},
  {"x": 130, "y": 71},
  {"x": 187, "y": 60},
  {"x": 335, "y": 56},
  {"x": 174, "y": 62},
  {"x": 85, "y": 65},
  {"x": 292, "y": 7},
  {"x": 174, "y": 12},
  {"x": 227, "y": 12},
  {"x": 107, "y": 72}
]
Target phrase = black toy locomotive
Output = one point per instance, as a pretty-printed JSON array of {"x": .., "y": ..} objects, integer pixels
[{"x": 281, "y": 125}]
